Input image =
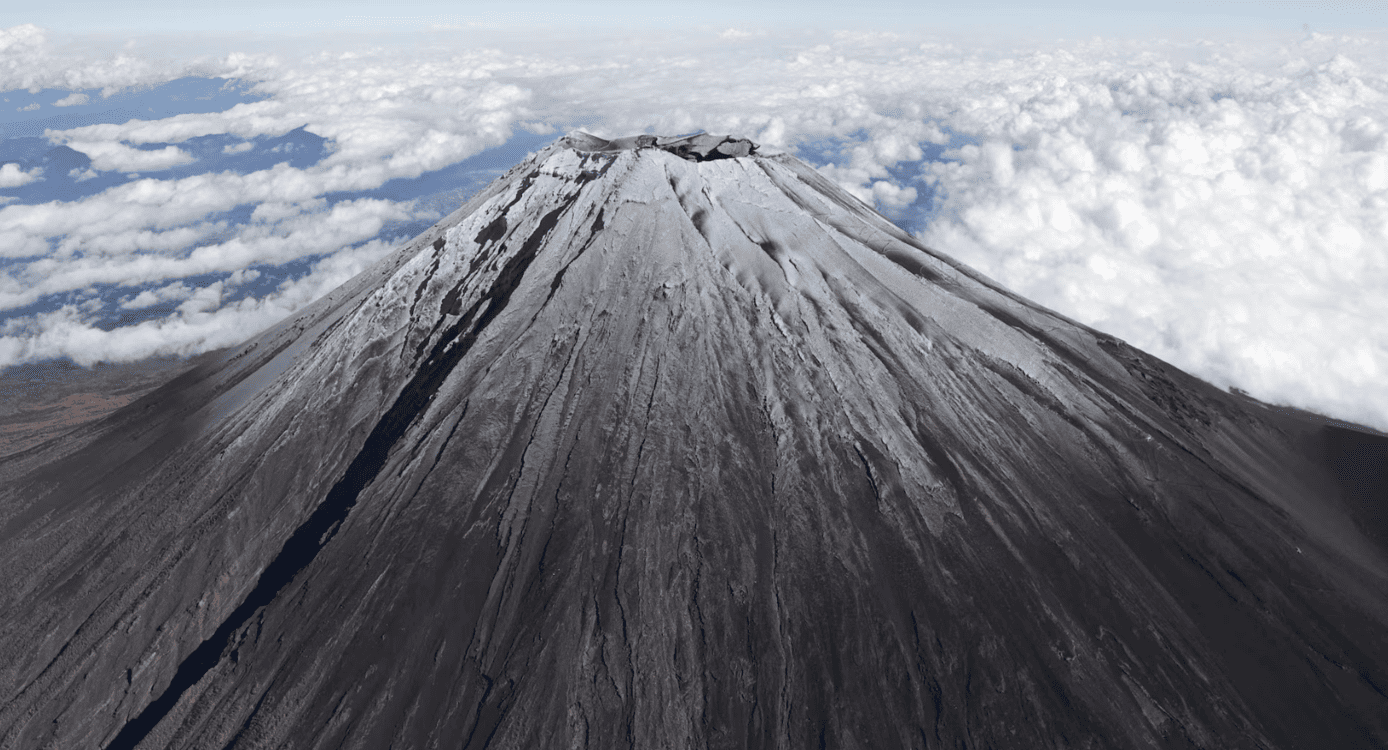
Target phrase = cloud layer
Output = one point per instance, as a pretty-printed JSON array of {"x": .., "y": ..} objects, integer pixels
[
  {"x": 1222, "y": 203},
  {"x": 1230, "y": 219}
]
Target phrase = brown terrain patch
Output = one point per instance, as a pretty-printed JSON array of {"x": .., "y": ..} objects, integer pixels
[{"x": 39, "y": 402}]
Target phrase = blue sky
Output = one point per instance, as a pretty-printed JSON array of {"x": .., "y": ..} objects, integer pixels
[{"x": 1208, "y": 181}]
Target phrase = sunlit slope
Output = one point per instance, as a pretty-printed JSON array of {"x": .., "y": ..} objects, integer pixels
[{"x": 636, "y": 450}]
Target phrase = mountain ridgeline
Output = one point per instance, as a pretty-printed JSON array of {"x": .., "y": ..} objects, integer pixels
[{"x": 671, "y": 442}]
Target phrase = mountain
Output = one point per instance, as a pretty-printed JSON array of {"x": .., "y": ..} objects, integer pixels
[{"x": 670, "y": 442}]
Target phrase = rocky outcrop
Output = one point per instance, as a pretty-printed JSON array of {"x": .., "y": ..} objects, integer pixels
[
  {"x": 638, "y": 450},
  {"x": 697, "y": 147}
]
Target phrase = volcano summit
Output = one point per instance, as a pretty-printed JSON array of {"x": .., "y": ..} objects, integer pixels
[{"x": 668, "y": 442}]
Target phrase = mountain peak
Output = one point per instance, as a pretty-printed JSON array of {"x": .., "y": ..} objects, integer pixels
[
  {"x": 694, "y": 147},
  {"x": 638, "y": 450}
]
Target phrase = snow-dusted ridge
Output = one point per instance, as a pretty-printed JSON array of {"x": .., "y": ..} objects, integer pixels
[
  {"x": 644, "y": 447},
  {"x": 696, "y": 147}
]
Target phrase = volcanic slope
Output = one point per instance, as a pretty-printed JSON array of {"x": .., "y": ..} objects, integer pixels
[{"x": 669, "y": 443}]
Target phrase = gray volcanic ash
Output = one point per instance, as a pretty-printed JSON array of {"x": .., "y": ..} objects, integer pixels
[{"x": 669, "y": 443}]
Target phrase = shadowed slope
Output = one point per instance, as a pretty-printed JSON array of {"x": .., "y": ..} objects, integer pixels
[{"x": 642, "y": 451}]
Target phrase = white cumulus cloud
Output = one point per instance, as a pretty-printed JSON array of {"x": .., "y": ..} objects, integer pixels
[
  {"x": 175, "y": 292},
  {"x": 11, "y": 175},
  {"x": 30, "y": 60},
  {"x": 1192, "y": 212},
  {"x": 113, "y": 156},
  {"x": 71, "y": 100},
  {"x": 200, "y": 324},
  {"x": 115, "y": 260}
]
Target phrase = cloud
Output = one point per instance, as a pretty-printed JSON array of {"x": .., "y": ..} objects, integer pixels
[
  {"x": 20, "y": 40},
  {"x": 1191, "y": 212},
  {"x": 236, "y": 148},
  {"x": 30, "y": 60},
  {"x": 200, "y": 324},
  {"x": 11, "y": 175},
  {"x": 112, "y": 156},
  {"x": 389, "y": 115},
  {"x": 118, "y": 219},
  {"x": 113, "y": 260},
  {"x": 82, "y": 174},
  {"x": 72, "y": 100},
  {"x": 892, "y": 198},
  {"x": 175, "y": 292},
  {"x": 243, "y": 276},
  {"x": 204, "y": 300},
  {"x": 30, "y": 108},
  {"x": 198, "y": 299}
]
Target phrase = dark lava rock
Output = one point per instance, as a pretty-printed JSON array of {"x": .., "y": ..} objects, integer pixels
[{"x": 647, "y": 448}]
